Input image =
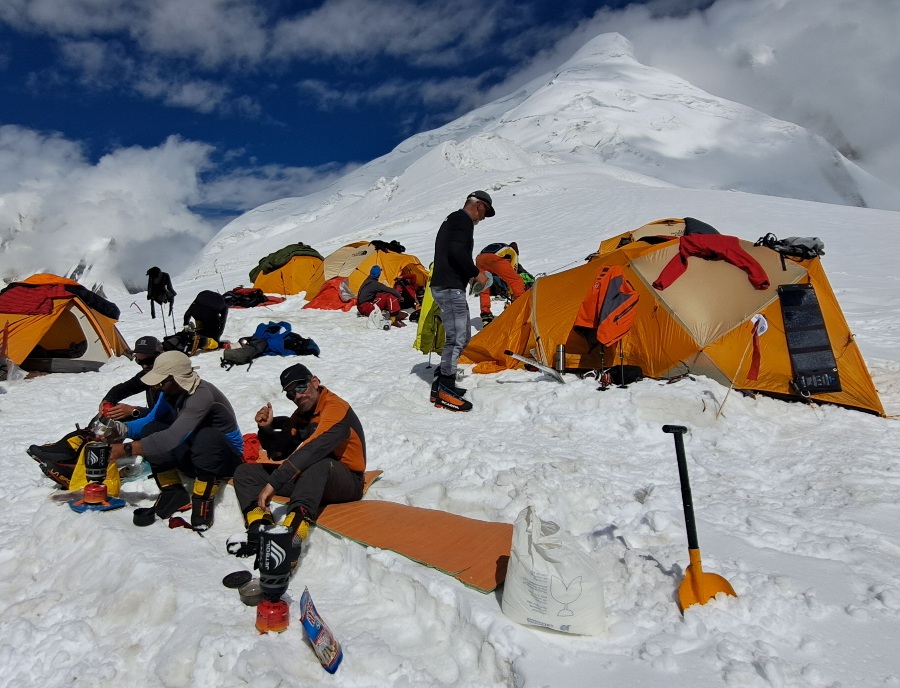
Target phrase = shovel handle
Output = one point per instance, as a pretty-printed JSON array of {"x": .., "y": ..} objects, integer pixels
[{"x": 686, "y": 499}]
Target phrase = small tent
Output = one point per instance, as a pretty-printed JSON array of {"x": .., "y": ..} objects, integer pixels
[
  {"x": 333, "y": 296},
  {"x": 703, "y": 321},
  {"x": 290, "y": 270},
  {"x": 53, "y": 324},
  {"x": 354, "y": 261}
]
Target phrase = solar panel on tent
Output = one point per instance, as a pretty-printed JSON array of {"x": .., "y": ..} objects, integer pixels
[{"x": 812, "y": 360}]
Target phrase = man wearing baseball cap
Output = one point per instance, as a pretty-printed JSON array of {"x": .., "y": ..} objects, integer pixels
[
  {"x": 58, "y": 459},
  {"x": 203, "y": 441},
  {"x": 320, "y": 452},
  {"x": 146, "y": 349},
  {"x": 452, "y": 272}
]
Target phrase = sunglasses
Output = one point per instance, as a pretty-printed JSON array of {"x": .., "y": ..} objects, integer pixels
[
  {"x": 146, "y": 361},
  {"x": 296, "y": 388}
]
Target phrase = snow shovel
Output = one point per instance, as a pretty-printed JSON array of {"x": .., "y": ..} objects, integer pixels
[{"x": 697, "y": 587}]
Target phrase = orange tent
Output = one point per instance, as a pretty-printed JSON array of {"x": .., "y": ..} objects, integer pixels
[
  {"x": 53, "y": 324},
  {"x": 290, "y": 270},
  {"x": 702, "y": 323},
  {"x": 354, "y": 261}
]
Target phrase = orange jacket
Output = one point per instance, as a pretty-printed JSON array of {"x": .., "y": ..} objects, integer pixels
[{"x": 332, "y": 430}]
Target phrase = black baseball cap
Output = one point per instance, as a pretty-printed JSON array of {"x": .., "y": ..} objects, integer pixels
[
  {"x": 148, "y": 346},
  {"x": 296, "y": 373},
  {"x": 484, "y": 198}
]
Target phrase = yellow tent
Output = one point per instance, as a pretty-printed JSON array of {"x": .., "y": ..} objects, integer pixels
[
  {"x": 53, "y": 324},
  {"x": 354, "y": 261},
  {"x": 701, "y": 323},
  {"x": 290, "y": 270}
]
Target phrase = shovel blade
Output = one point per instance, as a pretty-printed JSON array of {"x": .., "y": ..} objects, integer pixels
[{"x": 699, "y": 587}]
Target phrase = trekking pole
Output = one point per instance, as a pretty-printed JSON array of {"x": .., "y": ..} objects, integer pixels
[{"x": 621, "y": 384}]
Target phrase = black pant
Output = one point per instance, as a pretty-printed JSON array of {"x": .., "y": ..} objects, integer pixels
[
  {"x": 207, "y": 454},
  {"x": 325, "y": 482}
]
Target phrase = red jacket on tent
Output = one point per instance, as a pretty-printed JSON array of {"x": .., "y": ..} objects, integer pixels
[{"x": 712, "y": 247}]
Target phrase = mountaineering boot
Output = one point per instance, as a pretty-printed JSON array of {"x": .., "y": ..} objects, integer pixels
[
  {"x": 60, "y": 473},
  {"x": 486, "y": 318},
  {"x": 434, "y": 386},
  {"x": 256, "y": 519},
  {"x": 202, "y": 505},
  {"x": 64, "y": 450},
  {"x": 449, "y": 398},
  {"x": 172, "y": 497},
  {"x": 298, "y": 523}
]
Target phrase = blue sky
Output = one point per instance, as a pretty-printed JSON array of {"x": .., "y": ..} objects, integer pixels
[
  {"x": 283, "y": 84},
  {"x": 171, "y": 117}
]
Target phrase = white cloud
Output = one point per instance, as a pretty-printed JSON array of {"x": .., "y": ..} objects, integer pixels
[
  {"x": 54, "y": 203},
  {"x": 211, "y": 32},
  {"x": 424, "y": 34},
  {"x": 153, "y": 204}
]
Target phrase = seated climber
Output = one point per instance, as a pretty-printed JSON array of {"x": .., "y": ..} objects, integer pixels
[
  {"x": 321, "y": 455},
  {"x": 57, "y": 459},
  {"x": 203, "y": 441},
  {"x": 374, "y": 295},
  {"x": 501, "y": 260},
  {"x": 146, "y": 351},
  {"x": 407, "y": 285}
]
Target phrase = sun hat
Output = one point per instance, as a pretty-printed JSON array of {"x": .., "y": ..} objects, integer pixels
[{"x": 176, "y": 364}]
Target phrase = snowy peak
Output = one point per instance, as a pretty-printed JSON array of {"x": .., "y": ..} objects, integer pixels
[{"x": 601, "y": 113}]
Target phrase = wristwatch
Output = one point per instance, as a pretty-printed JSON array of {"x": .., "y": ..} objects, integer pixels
[
  {"x": 128, "y": 448},
  {"x": 136, "y": 413}
]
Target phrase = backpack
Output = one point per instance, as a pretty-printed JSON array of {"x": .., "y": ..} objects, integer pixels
[
  {"x": 185, "y": 341},
  {"x": 805, "y": 248},
  {"x": 608, "y": 309},
  {"x": 250, "y": 348},
  {"x": 269, "y": 339},
  {"x": 243, "y": 297}
]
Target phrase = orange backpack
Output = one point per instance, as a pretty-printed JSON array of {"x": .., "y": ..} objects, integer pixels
[{"x": 609, "y": 308}]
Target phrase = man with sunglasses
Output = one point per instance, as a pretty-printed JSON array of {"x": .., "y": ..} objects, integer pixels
[
  {"x": 57, "y": 459},
  {"x": 202, "y": 441},
  {"x": 452, "y": 272},
  {"x": 321, "y": 455},
  {"x": 146, "y": 350}
]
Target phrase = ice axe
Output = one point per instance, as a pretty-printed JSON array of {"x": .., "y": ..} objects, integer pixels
[{"x": 697, "y": 587}]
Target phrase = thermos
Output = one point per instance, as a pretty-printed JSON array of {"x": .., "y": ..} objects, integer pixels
[{"x": 560, "y": 358}]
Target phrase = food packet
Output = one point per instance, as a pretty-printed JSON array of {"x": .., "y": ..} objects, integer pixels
[{"x": 326, "y": 647}]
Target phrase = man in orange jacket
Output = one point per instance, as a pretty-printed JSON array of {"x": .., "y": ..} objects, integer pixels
[
  {"x": 321, "y": 450},
  {"x": 500, "y": 260}
]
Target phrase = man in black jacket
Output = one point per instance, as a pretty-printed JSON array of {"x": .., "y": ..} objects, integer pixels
[
  {"x": 57, "y": 459},
  {"x": 453, "y": 271},
  {"x": 146, "y": 350}
]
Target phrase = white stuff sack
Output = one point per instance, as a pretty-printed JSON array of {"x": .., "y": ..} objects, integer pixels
[{"x": 551, "y": 581}]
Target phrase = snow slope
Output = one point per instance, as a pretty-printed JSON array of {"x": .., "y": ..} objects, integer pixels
[{"x": 796, "y": 505}]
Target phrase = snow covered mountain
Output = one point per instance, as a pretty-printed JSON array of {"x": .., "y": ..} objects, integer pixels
[{"x": 601, "y": 115}]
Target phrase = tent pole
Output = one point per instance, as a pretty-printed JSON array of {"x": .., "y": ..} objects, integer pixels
[{"x": 734, "y": 379}]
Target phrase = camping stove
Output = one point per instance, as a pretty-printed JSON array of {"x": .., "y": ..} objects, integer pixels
[
  {"x": 96, "y": 462},
  {"x": 272, "y": 616}
]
